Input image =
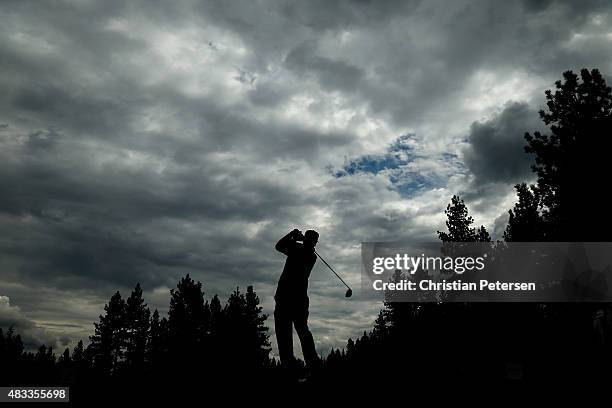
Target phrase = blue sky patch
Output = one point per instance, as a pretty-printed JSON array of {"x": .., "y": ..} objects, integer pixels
[{"x": 400, "y": 165}]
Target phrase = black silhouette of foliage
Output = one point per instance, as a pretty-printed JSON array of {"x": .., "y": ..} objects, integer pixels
[
  {"x": 257, "y": 338},
  {"x": 64, "y": 360},
  {"x": 11, "y": 355},
  {"x": 187, "y": 321},
  {"x": 108, "y": 344},
  {"x": 571, "y": 164},
  {"x": 459, "y": 224},
  {"x": 243, "y": 330},
  {"x": 157, "y": 341},
  {"x": 132, "y": 349},
  {"x": 137, "y": 329},
  {"x": 216, "y": 315},
  {"x": 525, "y": 223}
]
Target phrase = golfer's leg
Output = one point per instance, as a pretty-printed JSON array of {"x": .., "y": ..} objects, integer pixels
[
  {"x": 308, "y": 347},
  {"x": 284, "y": 336}
]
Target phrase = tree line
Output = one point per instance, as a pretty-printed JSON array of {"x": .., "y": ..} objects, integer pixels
[{"x": 199, "y": 339}]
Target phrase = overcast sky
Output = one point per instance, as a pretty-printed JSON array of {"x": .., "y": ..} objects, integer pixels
[{"x": 144, "y": 140}]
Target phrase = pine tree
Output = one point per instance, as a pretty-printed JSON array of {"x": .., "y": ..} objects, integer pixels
[
  {"x": 187, "y": 320},
  {"x": 381, "y": 325},
  {"x": 137, "y": 328},
  {"x": 157, "y": 344},
  {"x": 216, "y": 340},
  {"x": 78, "y": 354},
  {"x": 108, "y": 344},
  {"x": 572, "y": 162},
  {"x": 257, "y": 331},
  {"x": 216, "y": 314},
  {"x": 65, "y": 360},
  {"x": 234, "y": 329},
  {"x": 350, "y": 348},
  {"x": 459, "y": 224},
  {"x": 482, "y": 235},
  {"x": 13, "y": 346},
  {"x": 525, "y": 222},
  {"x": 79, "y": 359},
  {"x": 44, "y": 363},
  {"x": 44, "y": 354},
  {"x": 11, "y": 356}
]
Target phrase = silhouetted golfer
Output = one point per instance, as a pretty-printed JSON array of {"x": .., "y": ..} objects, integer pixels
[{"x": 292, "y": 299}]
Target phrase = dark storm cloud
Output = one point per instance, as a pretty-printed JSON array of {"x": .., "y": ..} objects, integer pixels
[
  {"x": 107, "y": 224},
  {"x": 144, "y": 140},
  {"x": 323, "y": 14},
  {"x": 496, "y": 147}
]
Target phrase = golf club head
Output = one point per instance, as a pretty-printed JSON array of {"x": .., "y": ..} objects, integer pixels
[{"x": 349, "y": 293}]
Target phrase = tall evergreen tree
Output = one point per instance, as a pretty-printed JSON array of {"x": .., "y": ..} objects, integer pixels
[
  {"x": 158, "y": 339},
  {"x": 571, "y": 165},
  {"x": 107, "y": 347},
  {"x": 572, "y": 162},
  {"x": 216, "y": 341},
  {"x": 216, "y": 314},
  {"x": 187, "y": 319},
  {"x": 44, "y": 364},
  {"x": 79, "y": 359},
  {"x": 233, "y": 331},
  {"x": 381, "y": 324},
  {"x": 11, "y": 346},
  {"x": 78, "y": 352},
  {"x": 11, "y": 356},
  {"x": 258, "y": 337},
  {"x": 244, "y": 335},
  {"x": 459, "y": 224},
  {"x": 525, "y": 222},
  {"x": 137, "y": 328},
  {"x": 65, "y": 360}
]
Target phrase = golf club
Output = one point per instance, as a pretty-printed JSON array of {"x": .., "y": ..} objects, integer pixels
[{"x": 349, "y": 292}]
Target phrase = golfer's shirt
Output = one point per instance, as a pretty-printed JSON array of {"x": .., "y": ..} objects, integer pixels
[{"x": 293, "y": 282}]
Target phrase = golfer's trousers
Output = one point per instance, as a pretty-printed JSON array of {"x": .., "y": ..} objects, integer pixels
[{"x": 293, "y": 312}]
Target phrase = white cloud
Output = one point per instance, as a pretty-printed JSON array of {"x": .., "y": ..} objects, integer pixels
[{"x": 31, "y": 334}]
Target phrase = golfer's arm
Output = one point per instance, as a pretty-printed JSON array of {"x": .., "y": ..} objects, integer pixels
[{"x": 285, "y": 243}]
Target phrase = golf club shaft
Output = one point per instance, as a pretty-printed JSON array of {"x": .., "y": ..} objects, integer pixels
[{"x": 332, "y": 269}]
